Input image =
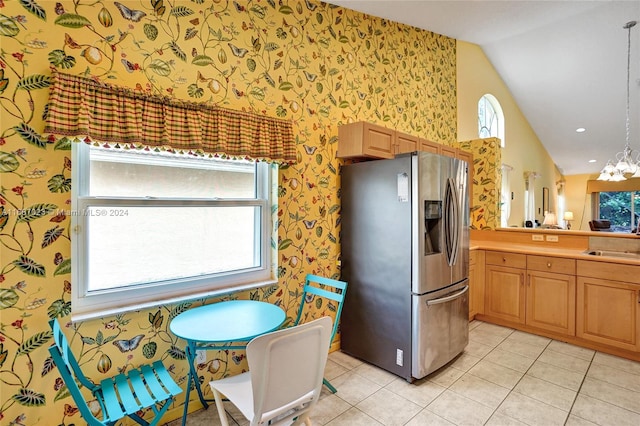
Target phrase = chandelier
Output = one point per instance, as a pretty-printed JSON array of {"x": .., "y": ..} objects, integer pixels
[{"x": 625, "y": 164}]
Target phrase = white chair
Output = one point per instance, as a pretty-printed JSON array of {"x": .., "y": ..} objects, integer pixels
[{"x": 284, "y": 380}]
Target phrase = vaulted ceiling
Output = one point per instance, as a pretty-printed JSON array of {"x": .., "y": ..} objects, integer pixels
[{"x": 565, "y": 63}]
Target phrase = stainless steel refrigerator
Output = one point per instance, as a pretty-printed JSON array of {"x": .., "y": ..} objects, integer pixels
[{"x": 405, "y": 256}]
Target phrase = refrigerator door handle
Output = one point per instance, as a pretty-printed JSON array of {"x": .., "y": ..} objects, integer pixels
[
  {"x": 448, "y": 298},
  {"x": 451, "y": 222}
]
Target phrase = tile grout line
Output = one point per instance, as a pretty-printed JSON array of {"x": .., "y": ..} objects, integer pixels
[
  {"x": 580, "y": 388},
  {"x": 481, "y": 359},
  {"x": 519, "y": 380},
  {"x": 609, "y": 383}
]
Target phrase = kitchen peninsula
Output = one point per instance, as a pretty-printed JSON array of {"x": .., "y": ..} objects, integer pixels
[{"x": 574, "y": 286}]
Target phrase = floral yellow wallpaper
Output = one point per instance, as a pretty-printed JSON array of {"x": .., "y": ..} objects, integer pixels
[
  {"x": 487, "y": 178},
  {"x": 302, "y": 60}
]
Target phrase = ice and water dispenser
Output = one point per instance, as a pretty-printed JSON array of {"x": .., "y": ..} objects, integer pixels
[{"x": 432, "y": 226}]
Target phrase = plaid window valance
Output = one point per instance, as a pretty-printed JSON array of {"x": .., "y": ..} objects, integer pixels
[{"x": 95, "y": 111}]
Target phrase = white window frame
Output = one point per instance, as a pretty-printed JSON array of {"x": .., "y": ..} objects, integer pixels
[
  {"x": 496, "y": 131},
  {"x": 85, "y": 304}
]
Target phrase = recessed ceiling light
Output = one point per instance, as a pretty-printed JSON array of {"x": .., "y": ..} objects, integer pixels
[
  {"x": 581, "y": 129},
  {"x": 592, "y": 161}
]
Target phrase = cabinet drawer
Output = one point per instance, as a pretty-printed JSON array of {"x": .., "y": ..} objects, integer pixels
[
  {"x": 608, "y": 271},
  {"x": 511, "y": 260},
  {"x": 551, "y": 264}
]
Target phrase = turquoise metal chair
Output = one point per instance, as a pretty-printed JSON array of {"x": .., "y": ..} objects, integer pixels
[
  {"x": 330, "y": 289},
  {"x": 149, "y": 386}
]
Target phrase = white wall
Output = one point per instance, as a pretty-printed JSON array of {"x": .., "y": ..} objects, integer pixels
[{"x": 523, "y": 151}]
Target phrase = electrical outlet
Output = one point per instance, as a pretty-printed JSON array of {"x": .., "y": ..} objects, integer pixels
[
  {"x": 537, "y": 237},
  {"x": 552, "y": 238},
  {"x": 201, "y": 357},
  {"x": 399, "y": 357}
]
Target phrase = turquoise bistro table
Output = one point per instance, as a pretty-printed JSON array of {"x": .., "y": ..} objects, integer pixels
[{"x": 207, "y": 327}]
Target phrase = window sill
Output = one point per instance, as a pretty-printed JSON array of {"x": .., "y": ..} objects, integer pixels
[{"x": 170, "y": 301}]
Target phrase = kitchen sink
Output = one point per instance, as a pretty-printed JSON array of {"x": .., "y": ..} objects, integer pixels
[{"x": 612, "y": 253}]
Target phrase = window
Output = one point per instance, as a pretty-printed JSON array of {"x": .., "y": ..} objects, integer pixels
[
  {"x": 505, "y": 196},
  {"x": 621, "y": 208},
  {"x": 155, "y": 227},
  {"x": 490, "y": 119}
]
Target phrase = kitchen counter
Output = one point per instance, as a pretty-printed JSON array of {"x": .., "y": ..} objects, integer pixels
[
  {"x": 559, "y": 243},
  {"x": 546, "y": 283},
  {"x": 545, "y": 250}
]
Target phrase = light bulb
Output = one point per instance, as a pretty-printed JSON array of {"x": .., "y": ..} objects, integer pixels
[
  {"x": 608, "y": 168},
  {"x": 604, "y": 176},
  {"x": 622, "y": 165}
]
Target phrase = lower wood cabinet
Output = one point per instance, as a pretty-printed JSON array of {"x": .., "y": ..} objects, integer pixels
[
  {"x": 536, "y": 291},
  {"x": 608, "y": 312},
  {"x": 504, "y": 286},
  {"x": 608, "y": 304},
  {"x": 551, "y": 294},
  {"x": 590, "y": 303},
  {"x": 504, "y": 293},
  {"x": 476, "y": 283},
  {"x": 551, "y": 302}
]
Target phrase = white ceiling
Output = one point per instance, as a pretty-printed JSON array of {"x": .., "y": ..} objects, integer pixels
[{"x": 565, "y": 63}]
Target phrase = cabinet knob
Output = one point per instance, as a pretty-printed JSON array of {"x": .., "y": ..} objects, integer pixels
[
  {"x": 504, "y": 259},
  {"x": 548, "y": 264}
]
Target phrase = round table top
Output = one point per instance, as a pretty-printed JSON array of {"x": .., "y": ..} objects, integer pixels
[{"x": 228, "y": 321}]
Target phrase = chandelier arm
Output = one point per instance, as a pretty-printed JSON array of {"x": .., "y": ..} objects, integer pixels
[
  {"x": 628, "y": 25},
  {"x": 625, "y": 162}
]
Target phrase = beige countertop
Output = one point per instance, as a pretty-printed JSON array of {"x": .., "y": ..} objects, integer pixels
[{"x": 545, "y": 250}]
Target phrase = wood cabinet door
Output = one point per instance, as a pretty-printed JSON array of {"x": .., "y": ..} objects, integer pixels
[
  {"x": 449, "y": 151},
  {"x": 551, "y": 302},
  {"x": 378, "y": 141},
  {"x": 362, "y": 139},
  {"x": 608, "y": 312},
  {"x": 406, "y": 143},
  {"x": 429, "y": 146},
  {"x": 504, "y": 293}
]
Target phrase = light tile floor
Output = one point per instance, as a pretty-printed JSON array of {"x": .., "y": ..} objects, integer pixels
[{"x": 504, "y": 377}]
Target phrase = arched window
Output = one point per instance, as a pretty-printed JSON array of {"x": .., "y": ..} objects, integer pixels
[{"x": 490, "y": 118}]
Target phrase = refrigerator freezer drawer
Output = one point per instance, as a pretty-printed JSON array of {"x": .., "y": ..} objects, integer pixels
[{"x": 440, "y": 329}]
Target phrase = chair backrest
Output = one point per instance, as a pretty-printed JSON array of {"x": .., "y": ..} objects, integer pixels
[
  {"x": 600, "y": 225},
  {"x": 286, "y": 369},
  {"x": 333, "y": 290},
  {"x": 70, "y": 371}
]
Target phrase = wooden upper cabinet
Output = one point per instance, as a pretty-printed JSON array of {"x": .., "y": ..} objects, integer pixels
[
  {"x": 449, "y": 151},
  {"x": 430, "y": 146},
  {"x": 368, "y": 140},
  {"x": 364, "y": 139},
  {"x": 406, "y": 143}
]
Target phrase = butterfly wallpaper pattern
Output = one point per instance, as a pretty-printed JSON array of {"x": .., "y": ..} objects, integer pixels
[{"x": 302, "y": 60}]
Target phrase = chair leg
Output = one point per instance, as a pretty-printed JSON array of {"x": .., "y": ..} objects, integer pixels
[
  {"x": 303, "y": 419},
  {"x": 220, "y": 407},
  {"x": 329, "y": 385}
]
